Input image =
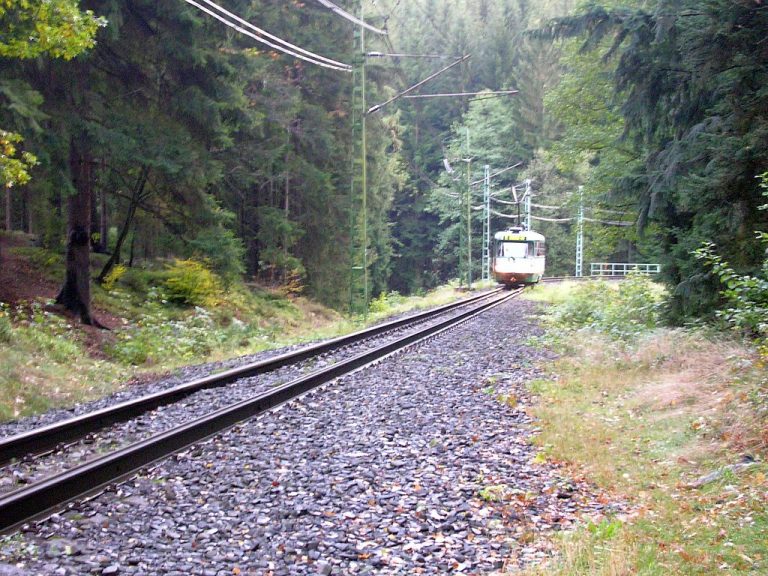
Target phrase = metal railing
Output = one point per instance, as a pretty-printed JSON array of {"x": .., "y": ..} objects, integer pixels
[{"x": 622, "y": 268}]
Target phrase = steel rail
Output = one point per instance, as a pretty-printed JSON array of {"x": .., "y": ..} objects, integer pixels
[
  {"x": 47, "y": 495},
  {"x": 49, "y": 437}
]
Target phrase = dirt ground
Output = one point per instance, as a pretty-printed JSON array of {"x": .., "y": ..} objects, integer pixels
[{"x": 21, "y": 282}]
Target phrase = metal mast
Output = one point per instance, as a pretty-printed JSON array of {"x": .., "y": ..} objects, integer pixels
[
  {"x": 486, "y": 271},
  {"x": 365, "y": 161},
  {"x": 469, "y": 216},
  {"x": 358, "y": 219},
  {"x": 580, "y": 234},
  {"x": 527, "y": 205}
]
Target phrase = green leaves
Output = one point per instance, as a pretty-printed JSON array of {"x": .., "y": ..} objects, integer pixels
[
  {"x": 54, "y": 27},
  {"x": 13, "y": 167},
  {"x": 746, "y": 296}
]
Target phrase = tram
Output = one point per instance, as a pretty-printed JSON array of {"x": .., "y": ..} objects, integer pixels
[{"x": 518, "y": 256}]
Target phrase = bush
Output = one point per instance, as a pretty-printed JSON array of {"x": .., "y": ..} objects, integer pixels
[
  {"x": 158, "y": 339},
  {"x": 385, "y": 302},
  {"x": 136, "y": 280},
  {"x": 191, "y": 283},
  {"x": 746, "y": 296},
  {"x": 114, "y": 275},
  {"x": 630, "y": 309},
  {"x": 5, "y": 325},
  {"x": 225, "y": 252}
]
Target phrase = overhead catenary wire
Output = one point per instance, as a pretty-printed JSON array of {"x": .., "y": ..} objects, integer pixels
[
  {"x": 507, "y": 202},
  {"x": 286, "y": 48},
  {"x": 347, "y": 16},
  {"x": 608, "y": 210},
  {"x": 418, "y": 84},
  {"x": 485, "y": 93},
  {"x": 507, "y": 169},
  {"x": 410, "y": 55},
  {"x": 509, "y": 216},
  {"x": 609, "y": 222},
  {"x": 290, "y": 46},
  {"x": 543, "y": 219}
]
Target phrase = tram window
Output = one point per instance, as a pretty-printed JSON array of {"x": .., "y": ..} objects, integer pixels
[
  {"x": 541, "y": 249},
  {"x": 512, "y": 250}
]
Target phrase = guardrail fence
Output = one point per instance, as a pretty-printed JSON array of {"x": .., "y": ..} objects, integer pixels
[{"x": 622, "y": 268}]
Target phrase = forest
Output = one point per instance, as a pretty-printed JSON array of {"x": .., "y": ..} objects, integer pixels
[{"x": 285, "y": 143}]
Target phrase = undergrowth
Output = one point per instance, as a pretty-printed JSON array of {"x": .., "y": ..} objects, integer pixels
[
  {"x": 43, "y": 363},
  {"x": 672, "y": 422}
]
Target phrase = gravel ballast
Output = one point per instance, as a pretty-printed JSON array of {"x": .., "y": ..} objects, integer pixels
[{"x": 420, "y": 465}]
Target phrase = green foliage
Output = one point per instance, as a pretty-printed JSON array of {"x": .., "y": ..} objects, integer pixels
[
  {"x": 56, "y": 27},
  {"x": 427, "y": 223},
  {"x": 690, "y": 81},
  {"x": 192, "y": 283},
  {"x": 606, "y": 529},
  {"x": 224, "y": 251},
  {"x": 746, "y": 296},
  {"x": 6, "y": 328},
  {"x": 277, "y": 235},
  {"x": 622, "y": 312},
  {"x": 385, "y": 302},
  {"x": 14, "y": 171},
  {"x": 113, "y": 277},
  {"x": 49, "y": 333},
  {"x": 156, "y": 338}
]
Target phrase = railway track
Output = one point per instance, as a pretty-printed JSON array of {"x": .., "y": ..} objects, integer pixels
[{"x": 42, "y": 497}]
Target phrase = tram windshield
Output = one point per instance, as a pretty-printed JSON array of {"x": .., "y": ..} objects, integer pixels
[{"x": 513, "y": 249}]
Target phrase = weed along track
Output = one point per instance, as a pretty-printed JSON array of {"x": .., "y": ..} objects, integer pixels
[{"x": 419, "y": 464}]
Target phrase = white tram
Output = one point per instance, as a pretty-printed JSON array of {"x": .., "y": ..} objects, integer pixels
[{"x": 518, "y": 257}]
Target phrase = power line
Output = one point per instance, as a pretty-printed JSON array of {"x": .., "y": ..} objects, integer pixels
[
  {"x": 486, "y": 93},
  {"x": 408, "y": 55},
  {"x": 509, "y": 216},
  {"x": 417, "y": 85},
  {"x": 609, "y": 222},
  {"x": 552, "y": 219},
  {"x": 291, "y": 50},
  {"x": 347, "y": 16},
  {"x": 507, "y": 202},
  {"x": 277, "y": 39},
  {"x": 609, "y": 211},
  {"x": 507, "y": 169}
]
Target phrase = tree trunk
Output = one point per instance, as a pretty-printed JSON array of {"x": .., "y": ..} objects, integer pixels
[
  {"x": 28, "y": 205},
  {"x": 103, "y": 222},
  {"x": 287, "y": 212},
  {"x": 75, "y": 294},
  {"x": 136, "y": 195},
  {"x": 8, "y": 209},
  {"x": 131, "y": 252}
]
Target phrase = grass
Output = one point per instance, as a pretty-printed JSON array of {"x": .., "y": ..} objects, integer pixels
[
  {"x": 648, "y": 420},
  {"x": 43, "y": 365},
  {"x": 555, "y": 293}
]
